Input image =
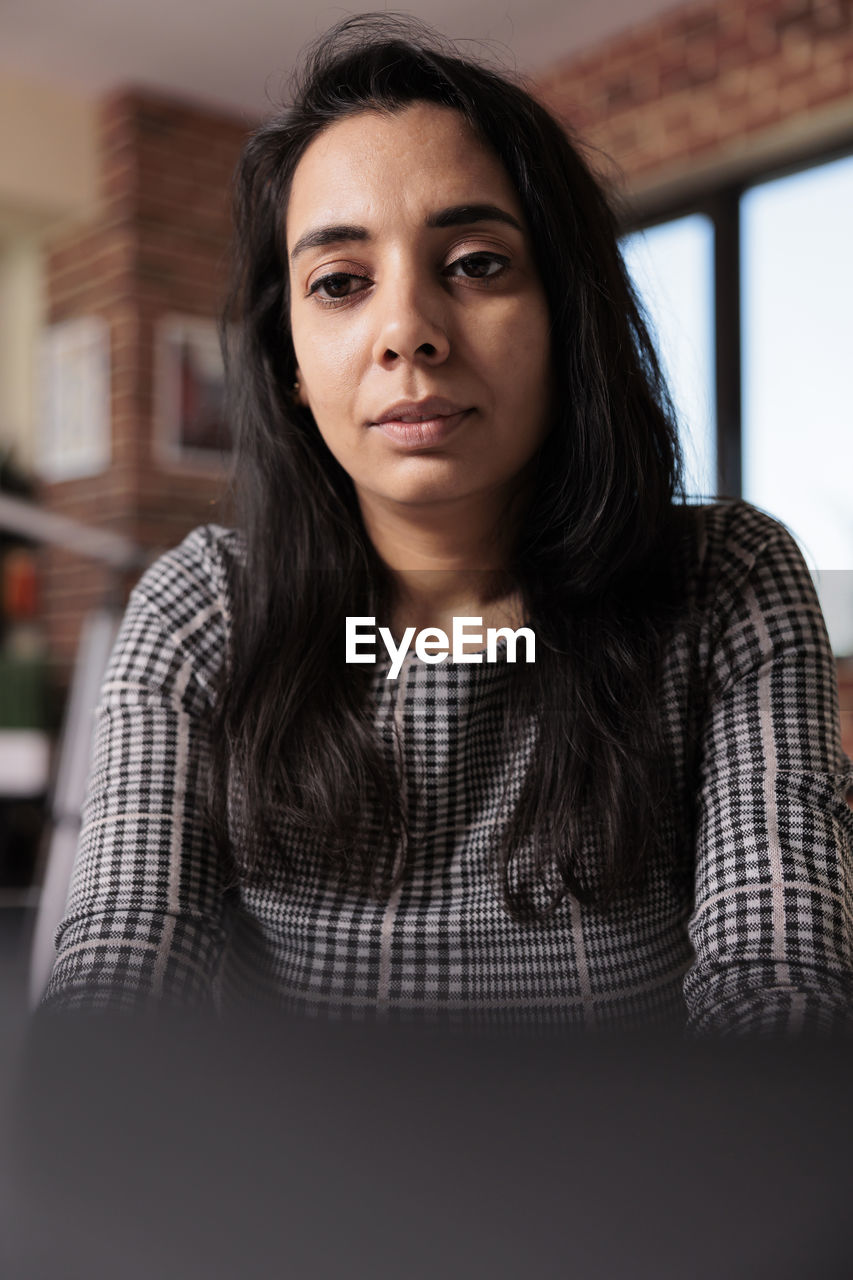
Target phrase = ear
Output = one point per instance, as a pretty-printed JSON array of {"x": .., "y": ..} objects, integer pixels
[{"x": 299, "y": 392}]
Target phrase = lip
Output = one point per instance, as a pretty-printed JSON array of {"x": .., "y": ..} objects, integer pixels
[{"x": 437, "y": 418}]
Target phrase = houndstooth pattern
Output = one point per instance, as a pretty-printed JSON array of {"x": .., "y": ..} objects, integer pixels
[{"x": 747, "y": 927}]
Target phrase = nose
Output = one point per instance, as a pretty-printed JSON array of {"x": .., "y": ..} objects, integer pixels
[{"x": 411, "y": 327}]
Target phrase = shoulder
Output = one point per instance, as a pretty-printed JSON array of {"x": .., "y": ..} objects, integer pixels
[
  {"x": 758, "y": 605},
  {"x": 197, "y": 573},
  {"x": 737, "y": 548},
  {"x": 179, "y": 613},
  {"x": 748, "y": 587},
  {"x": 735, "y": 532}
]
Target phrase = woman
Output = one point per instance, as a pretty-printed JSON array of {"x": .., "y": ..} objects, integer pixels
[{"x": 448, "y": 406}]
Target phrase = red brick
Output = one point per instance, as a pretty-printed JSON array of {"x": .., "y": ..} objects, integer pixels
[{"x": 160, "y": 246}]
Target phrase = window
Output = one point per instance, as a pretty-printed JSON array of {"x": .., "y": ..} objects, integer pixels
[
  {"x": 672, "y": 266},
  {"x": 750, "y": 294},
  {"x": 797, "y": 293}
]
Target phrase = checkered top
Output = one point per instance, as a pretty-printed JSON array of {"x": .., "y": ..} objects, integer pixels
[{"x": 746, "y": 928}]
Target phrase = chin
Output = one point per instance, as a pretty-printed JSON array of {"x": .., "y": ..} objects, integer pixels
[
  {"x": 429, "y": 493},
  {"x": 425, "y": 480}
]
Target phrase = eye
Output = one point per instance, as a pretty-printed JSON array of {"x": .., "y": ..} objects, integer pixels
[
  {"x": 337, "y": 287},
  {"x": 478, "y": 266}
]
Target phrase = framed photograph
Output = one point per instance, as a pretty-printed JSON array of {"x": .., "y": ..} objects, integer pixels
[
  {"x": 74, "y": 399},
  {"x": 191, "y": 428}
]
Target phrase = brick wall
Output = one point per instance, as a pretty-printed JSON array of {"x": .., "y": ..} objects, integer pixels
[
  {"x": 159, "y": 247},
  {"x": 709, "y": 85},
  {"x": 709, "y": 90}
]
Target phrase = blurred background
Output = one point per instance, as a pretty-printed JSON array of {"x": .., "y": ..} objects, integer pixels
[{"x": 726, "y": 129}]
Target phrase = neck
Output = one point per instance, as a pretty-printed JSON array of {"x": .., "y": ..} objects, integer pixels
[{"x": 445, "y": 559}]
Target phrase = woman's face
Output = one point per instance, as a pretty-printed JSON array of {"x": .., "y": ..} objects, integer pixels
[{"x": 420, "y": 324}]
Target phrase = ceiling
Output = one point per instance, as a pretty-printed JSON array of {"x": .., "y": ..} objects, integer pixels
[{"x": 237, "y": 53}]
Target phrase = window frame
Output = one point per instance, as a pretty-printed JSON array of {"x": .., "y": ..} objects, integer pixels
[{"x": 719, "y": 200}]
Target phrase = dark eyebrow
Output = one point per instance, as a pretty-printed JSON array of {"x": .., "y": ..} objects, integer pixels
[
  {"x": 456, "y": 215},
  {"x": 460, "y": 215},
  {"x": 321, "y": 236}
]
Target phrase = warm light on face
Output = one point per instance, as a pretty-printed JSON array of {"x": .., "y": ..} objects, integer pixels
[{"x": 420, "y": 325}]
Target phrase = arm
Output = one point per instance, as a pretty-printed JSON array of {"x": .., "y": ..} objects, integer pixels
[
  {"x": 773, "y": 917},
  {"x": 145, "y": 916}
]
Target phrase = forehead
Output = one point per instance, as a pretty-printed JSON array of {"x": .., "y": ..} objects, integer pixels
[{"x": 369, "y": 165}]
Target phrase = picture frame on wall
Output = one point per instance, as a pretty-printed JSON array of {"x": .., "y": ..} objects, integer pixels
[
  {"x": 191, "y": 426},
  {"x": 74, "y": 399}
]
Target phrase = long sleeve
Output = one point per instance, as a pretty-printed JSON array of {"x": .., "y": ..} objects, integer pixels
[
  {"x": 772, "y": 923},
  {"x": 145, "y": 919}
]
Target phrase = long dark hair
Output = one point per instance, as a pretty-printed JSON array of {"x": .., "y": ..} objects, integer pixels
[{"x": 295, "y": 736}]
